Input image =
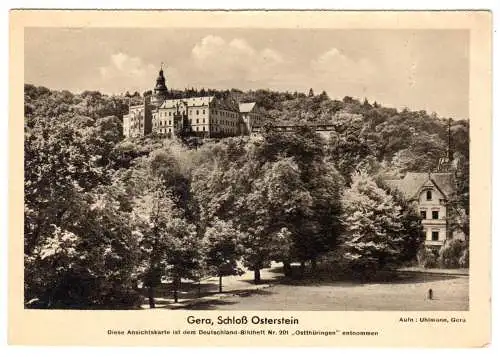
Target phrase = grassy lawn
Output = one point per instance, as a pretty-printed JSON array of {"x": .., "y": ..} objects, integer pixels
[{"x": 406, "y": 292}]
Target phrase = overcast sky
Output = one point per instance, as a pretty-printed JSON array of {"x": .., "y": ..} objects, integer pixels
[{"x": 419, "y": 69}]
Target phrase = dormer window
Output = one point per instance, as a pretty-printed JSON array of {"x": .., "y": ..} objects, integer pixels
[{"x": 429, "y": 195}]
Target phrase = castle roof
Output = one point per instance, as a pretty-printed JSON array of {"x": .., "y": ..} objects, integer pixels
[
  {"x": 190, "y": 102},
  {"x": 246, "y": 107},
  {"x": 198, "y": 101},
  {"x": 412, "y": 183}
]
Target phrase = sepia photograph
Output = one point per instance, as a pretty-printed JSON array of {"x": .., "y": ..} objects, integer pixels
[
  {"x": 250, "y": 178},
  {"x": 246, "y": 169}
]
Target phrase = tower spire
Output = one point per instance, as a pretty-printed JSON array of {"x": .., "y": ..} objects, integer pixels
[{"x": 160, "y": 91}]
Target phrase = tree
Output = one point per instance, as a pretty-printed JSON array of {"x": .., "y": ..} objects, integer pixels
[
  {"x": 350, "y": 154},
  {"x": 90, "y": 258},
  {"x": 412, "y": 233},
  {"x": 422, "y": 154},
  {"x": 323, "y": 96},
  {"x": 59, "y": 163},
  {"x": 169, "y": 241},
  {"x": 311, "y": 92},
  {"x": 268, "y": 213},
  {"x": 316, "y": 224},
  {"x": 183, "y": 254},
  {"x": 459, "y": 203},
  {"x": 372, "y": 239},
  {"x": 319, "y": 228},
  {"x": 223, "y": 249},
  {"x": 152, "y": 212}
]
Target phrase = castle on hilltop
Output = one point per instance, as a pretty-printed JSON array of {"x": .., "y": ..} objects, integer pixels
[{"x": 205, "y": 116}]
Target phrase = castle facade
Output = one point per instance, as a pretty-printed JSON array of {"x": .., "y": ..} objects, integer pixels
[{"x": 205, "y": 116}]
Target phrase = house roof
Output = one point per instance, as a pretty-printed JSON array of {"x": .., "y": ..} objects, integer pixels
[
  {"x": 190, "y": 102},
  {"x": 246, "y": 107},
  {"x": 411, "y": 184}
]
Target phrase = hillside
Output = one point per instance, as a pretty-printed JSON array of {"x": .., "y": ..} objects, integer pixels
[{"x": 402, "y": 140}]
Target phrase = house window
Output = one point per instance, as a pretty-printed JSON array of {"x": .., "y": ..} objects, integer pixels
[
  {"x": 197, "y": 121},
  {"x": 203, "y": 128},
  {"x": 169, "y": 114},
  {"x": 197, "y": 112},
  {"x": 435, "y": 235},
  {"x": 429, "y": 195},
  {"x": 423, "y": 214},
  {"x": 170, "y": 122},
  {"x": 435, "y": 214},
  {"x": 203, "y": 111},
  {"x": 169, "y": 130}
]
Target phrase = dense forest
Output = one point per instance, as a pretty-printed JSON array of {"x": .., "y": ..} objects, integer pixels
[{"x": 108, "y": 219}]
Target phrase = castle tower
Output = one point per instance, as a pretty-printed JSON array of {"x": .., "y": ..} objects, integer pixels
[{"x": 160, "y": 91}]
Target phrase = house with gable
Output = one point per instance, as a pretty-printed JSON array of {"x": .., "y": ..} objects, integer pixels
[{"x": 431, "y": 193}]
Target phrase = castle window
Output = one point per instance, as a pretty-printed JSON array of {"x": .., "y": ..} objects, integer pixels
[
  {"x": 423, "y": 214},
  {"x": 429, "y": 195},
  {"x": 435, "y": 214},
  {"x": 435, "y": 235}
]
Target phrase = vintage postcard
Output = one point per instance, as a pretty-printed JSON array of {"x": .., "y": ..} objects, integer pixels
[{"x": 250, "y": 178}]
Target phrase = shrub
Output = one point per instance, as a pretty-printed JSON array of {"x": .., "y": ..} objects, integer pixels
[
  {"x": 451, "y": 253},
  {"x": 426, "y": 258},
  {"x": 463, "y": 262},
  {"x": 334, "y": 265}
]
